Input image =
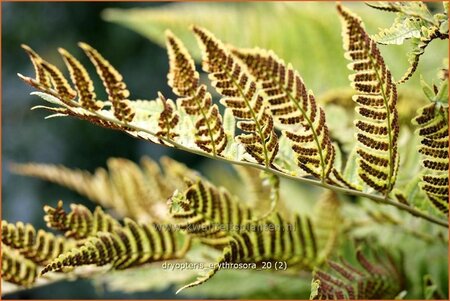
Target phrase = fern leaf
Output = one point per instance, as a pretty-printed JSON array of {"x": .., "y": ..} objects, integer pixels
[
  {"x": 128, "y": 246},
  {"x": 113, "y": 82},
  {"x": 276, "y": 240},
  {"x": 16, "y": 269},
  {"x": 80, "y": 222},
  {"x": 293, "y": 105},
  {"x": 381, "y": 279},
  {"x": 209, "y": 213},
  {"x": 432, "y": 123},
  {"x": 327, "y": 220},
  {"x": 377, "y": 128},
  {"x": 82, "y": 81},
  {"x": 242, "y": 96},
  {"x": 40, "y": 247},
  {"x": 184, "y": 80},
  {"x": 134, "y": 191},
  {"x": 401, "y": 30},
  {"x": 168, "y": 119}
]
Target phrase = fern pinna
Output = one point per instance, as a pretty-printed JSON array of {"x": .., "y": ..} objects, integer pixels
[
  {"x": 274, "y": 240},
  {"x": 124, "y": 246},
  {"x": 242, "y": 96},
  {"x": 377, "y": 128},
  {"x": 40, "y": 247},
  {"x": 209, "y": 213},
  {"x": 293, "y": 106},
  {"x": 432, "y": 123},
  {"x": 382, "y": 278},
  {"x": 16, "y": 269},
  {"x": 196, "y": 101}
]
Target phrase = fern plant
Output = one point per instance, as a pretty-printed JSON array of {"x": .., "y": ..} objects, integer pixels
[{"x": 271, "y": 126}]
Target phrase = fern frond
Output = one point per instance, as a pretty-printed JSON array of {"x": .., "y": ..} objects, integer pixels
[
  {"x": 138, "y": 192},
  {"x": 241, "y": 95},
  {"x": 209, "y": 213},
  {"x": 40, "y": 247},
  {"x": 113, "y": 82},
  {"x": 380, "y": 279},
  {"x": 293, "y": 105},
  {"x": 275, "y": 241},
  {"x": 432, "y": 122},
  {"x": 128, "y": 246},
  {"x": 80, "y": 223},
  {"x": 377, "y": 96},
  {"x": 17, "y": 269},
  {"x": 184, "y": 80}
]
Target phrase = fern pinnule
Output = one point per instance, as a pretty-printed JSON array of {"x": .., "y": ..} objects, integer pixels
[
  {"x": 40, "y": 247},
  {"x": 16, "y": 269},
  {"x": 242, "y": 96},
  {"x": 82, "y": 82},
  {"x": 113, "y": 82},
  {"x": 196, "y": 100},
  {"x": 377, "y": 126},
  {"x": 80, "y": 223},
  {"x": 209, "y": 213},
  {"x": 130, "y": 245},
  {"x": 274, "y": 240},
  {"x": 432, "y": 123},
  {"x": 293, "y": 106}
]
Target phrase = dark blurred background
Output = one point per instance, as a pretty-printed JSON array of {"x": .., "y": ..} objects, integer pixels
[{"x": 27, "y": 137}]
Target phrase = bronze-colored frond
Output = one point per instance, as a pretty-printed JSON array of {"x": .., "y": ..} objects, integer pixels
[
  {"x": 131, "y": 245},
  {"x": 80, "y": 222},
  {"x": 294, "y": 106},
  {"x": 113, "y": 82},
  {"x": 17, "y": 269},
  {"x": 41, "y": 247},
  {"x": 377, "y": 126},
  {"x": 432, "y": 123},
  {"x": 242, "y": 96}
]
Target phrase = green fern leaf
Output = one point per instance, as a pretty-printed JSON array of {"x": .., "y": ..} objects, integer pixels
[
  {"x": 16, "y": 269},
  {"x": 242, "y": 96},
  {"x": 381, "y": 279},
  {"x": 80, "y": 222},
  {"x": 377, "y": 96},
  {"x": 401, "y": 30},
  {"x": 168, "y": 120},
  {"x": 184, "y": 80},
  {"x": 432, "y": 122},
  {"x": 131, "y": 245},
  {"x": 275, "y": 241},
  {"x": 209, "y": 213},
  {"x": 41, "y": 247}
]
